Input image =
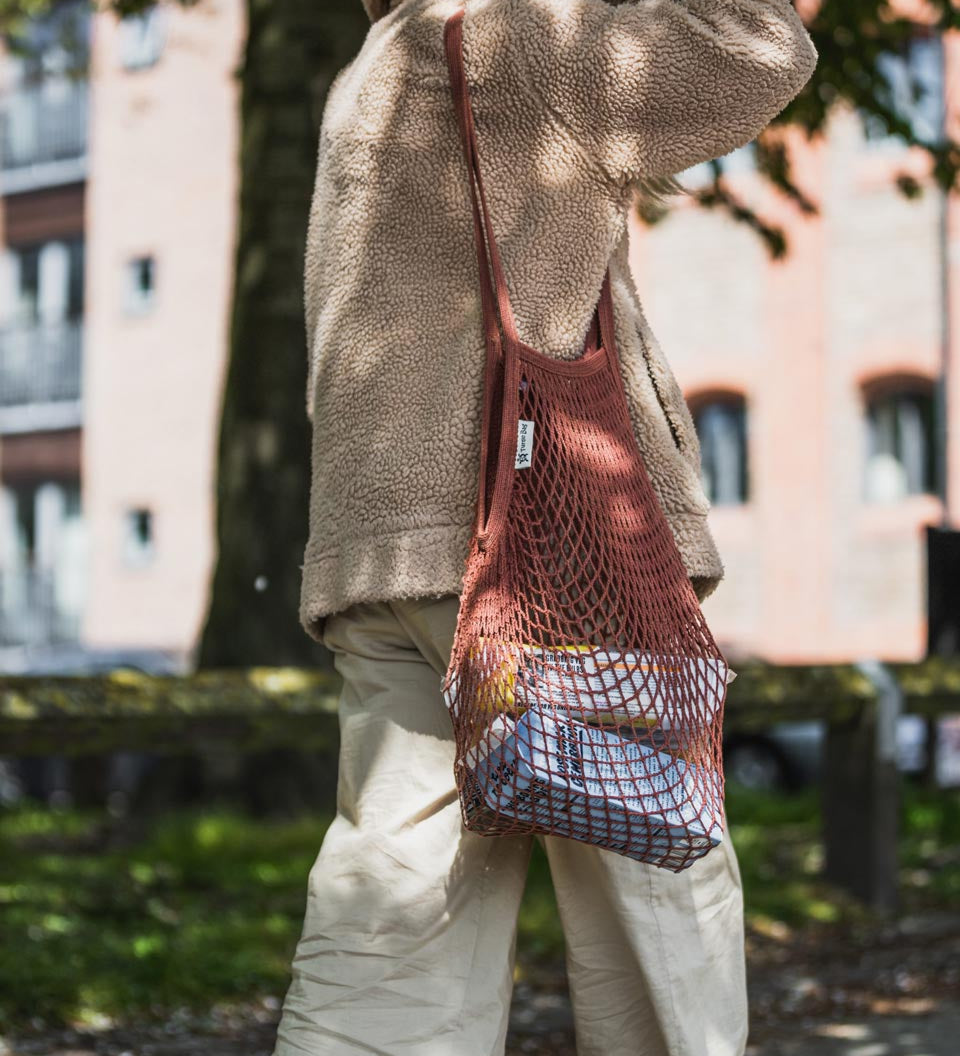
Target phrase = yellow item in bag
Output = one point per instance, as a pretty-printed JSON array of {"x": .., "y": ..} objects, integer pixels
[{"x": 599, "y": 685}]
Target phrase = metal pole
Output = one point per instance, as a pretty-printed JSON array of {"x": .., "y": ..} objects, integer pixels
[{"x": 942, "y": 388}]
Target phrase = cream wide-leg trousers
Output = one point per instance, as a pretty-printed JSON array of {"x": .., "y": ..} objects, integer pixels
[{"x": 408, "y": 941}]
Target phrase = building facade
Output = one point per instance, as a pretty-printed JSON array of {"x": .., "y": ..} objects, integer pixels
[
  {"x": 812, "y": 379},
  {"x": 118, "y": 183}
]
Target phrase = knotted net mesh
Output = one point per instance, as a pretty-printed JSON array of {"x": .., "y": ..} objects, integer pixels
[{"x": 585, "y": 688}]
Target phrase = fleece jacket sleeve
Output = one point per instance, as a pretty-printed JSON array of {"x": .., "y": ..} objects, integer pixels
[{"x": 652, "y": 87}]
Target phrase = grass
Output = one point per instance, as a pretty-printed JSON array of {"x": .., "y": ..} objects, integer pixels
[
  {"x": 200, "y": 908},
  {"x": 204, "y": 907}
]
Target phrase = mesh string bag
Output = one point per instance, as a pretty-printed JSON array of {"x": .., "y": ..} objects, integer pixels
[{"x": 585, "y": 688}]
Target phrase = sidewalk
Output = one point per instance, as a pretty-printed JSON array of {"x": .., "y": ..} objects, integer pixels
[
  {"x": 934, "y": 1033},
  {"x": 541, "y": 1027}
]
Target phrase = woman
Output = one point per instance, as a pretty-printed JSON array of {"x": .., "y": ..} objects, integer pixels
[{"x": 408, "y": 940}]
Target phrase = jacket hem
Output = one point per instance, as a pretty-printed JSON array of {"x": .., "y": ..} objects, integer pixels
[
  {"x": 430, "y": 562},
  {"x": 416, "y": 562}
]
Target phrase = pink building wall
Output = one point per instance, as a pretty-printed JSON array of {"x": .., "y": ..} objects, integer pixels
[
  {"x": 813, "y": 573},
  {"x": 163, "y": 178}
]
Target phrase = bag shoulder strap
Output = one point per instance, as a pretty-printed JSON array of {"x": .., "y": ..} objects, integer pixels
[
  {"x": 453, "y": 40},
  {"x": 495, "y": 297}
]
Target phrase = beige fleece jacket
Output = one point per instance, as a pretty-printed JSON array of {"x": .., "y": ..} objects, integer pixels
[{"x": 576, "y": 103}]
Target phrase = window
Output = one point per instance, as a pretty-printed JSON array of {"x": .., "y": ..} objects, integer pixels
[
  {"x": 21, "y": 298},
  {"x": 50, "y": 45},
  {"x": 41, "y": 283},
  {"x": 721, "y": 423},
  {"x": 142, "y": 38},
  {"x": 899, "y": 442},
  {"x": 46, "y": 57},
  {"x": 140, "y": 284},
  {"x": 42, "y": 561},
  {"x": 915, "y": 92},
  {"x": 138, "y": 548}
]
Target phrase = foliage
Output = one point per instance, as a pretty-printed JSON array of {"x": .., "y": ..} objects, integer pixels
[
  {"x": 99, "y": 919},
  {"x": 853, "y": 38},
  {"x": 92, "y": 929}
]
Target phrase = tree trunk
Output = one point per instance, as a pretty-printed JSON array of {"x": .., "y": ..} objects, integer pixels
[{"x": 293, "y": 51}]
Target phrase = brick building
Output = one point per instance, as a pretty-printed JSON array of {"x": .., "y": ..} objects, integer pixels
[
  {"x": 813, "y": 380},
  {"x": 118, "y": 217}
]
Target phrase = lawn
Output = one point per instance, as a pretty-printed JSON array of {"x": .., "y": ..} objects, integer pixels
[{"x": 106, "y": 920}]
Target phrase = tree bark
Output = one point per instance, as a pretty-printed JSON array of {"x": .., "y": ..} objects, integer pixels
[{"x": 294, "y": 49}]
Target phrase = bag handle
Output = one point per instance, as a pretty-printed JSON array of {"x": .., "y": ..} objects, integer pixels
[
  {"x": 602, "y": 323},
  {"x": 453, "y": 41}
]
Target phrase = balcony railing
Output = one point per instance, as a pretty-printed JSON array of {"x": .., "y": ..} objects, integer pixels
[
  {"x": 32, "y": 611},
  {"x": 43, "y": 123},
  {"x": 40, "y": 364}
]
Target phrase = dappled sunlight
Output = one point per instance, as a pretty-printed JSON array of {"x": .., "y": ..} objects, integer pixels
[{"x": 94, "y": 931}]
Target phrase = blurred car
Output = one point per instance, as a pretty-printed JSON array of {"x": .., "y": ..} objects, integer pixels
[{"x": 789, "y": 755}]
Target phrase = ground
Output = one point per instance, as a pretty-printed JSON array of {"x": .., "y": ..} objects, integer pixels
[
  {"x": 889, "y": 990},
  {"x": 99, "y": 919}
]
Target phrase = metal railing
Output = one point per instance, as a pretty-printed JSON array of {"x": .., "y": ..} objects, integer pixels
[
  {"x": 31, "y": 612},
  {"x": 43, "y": 123},
  {"x": 40, "y": 364}
]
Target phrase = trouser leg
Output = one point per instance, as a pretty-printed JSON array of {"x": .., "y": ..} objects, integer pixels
[
  {"x": 655, "y": 959},
  {"x": 408, "y": 939}
]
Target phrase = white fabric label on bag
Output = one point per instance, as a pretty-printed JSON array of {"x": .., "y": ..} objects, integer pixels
[{"x": 524, "y": 444}]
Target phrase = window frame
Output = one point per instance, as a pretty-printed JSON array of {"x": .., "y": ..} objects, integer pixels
[
  {"x": 892, "y": 390},
  {"x": 703, "y": 402}
]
